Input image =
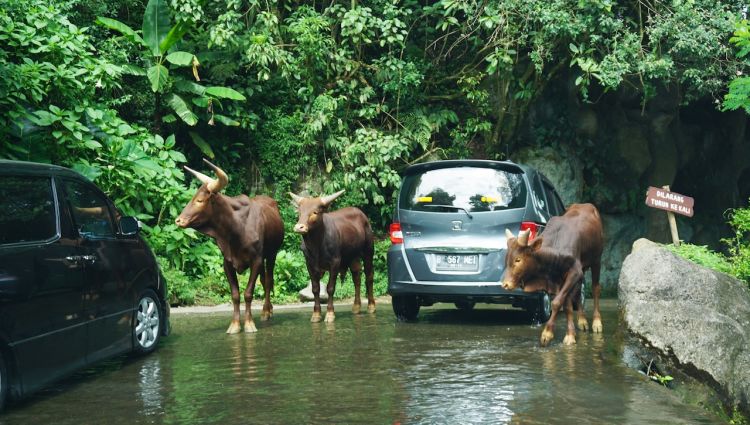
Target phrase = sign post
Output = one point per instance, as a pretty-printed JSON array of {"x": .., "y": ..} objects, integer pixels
[{"x": 671, "y": 202}]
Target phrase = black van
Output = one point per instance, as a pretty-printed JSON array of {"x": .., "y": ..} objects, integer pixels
[{"x": 77, "y": 282}]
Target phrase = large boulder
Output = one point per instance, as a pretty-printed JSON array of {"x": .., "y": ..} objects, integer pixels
[
  {"x": 699, "y": 317},
  {"x": 306, "y": 293}
]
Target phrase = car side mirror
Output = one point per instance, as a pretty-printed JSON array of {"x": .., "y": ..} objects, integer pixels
[{"x": 129, "y": 226}]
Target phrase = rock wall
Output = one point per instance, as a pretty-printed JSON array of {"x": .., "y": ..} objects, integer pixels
[
  {"x": 697, "y": 316},
  {"x": 611, "y": 150}
]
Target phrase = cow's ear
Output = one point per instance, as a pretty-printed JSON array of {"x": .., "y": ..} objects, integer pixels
[{"x": 536, "y": 244}]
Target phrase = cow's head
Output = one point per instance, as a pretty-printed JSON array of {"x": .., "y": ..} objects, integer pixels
[
  {"x": 311, "y": 211},
  {"x": 200, "y": 208},
  {"x": 521, "y": 263}
]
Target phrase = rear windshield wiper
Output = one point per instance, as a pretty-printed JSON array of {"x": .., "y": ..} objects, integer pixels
[{"x": 451, "y": 206}]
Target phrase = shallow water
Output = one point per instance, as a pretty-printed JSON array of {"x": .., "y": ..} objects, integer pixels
[{"x": 451, "y": 367}]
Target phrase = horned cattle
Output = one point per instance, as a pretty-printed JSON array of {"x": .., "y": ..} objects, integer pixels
[
  {"x": 334, "y": 242},
  {"x": 555, "y": 262},
  {"x": 249, "y": 233}
]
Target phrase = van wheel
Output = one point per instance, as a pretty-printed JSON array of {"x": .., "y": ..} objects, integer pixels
[
  {"x": 540, "y": 308},
  {"x": 3, "y": 383},
  {"x": 406, "y": 307},
  {"x": 146, "y": 323},
  {"x": 465, "y": 305}
]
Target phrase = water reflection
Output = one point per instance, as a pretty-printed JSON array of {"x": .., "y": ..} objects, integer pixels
[
  {"x": 483, "y": 366},
  {"x": 150, "y": 387}
]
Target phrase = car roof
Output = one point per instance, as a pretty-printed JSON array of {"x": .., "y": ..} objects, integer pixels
[
  {"x": 452, "y": 163},
  {"x": 36, "y": 169}
]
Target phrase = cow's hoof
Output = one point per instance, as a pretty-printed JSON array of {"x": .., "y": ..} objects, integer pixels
[
  {"x": 371, "y": 308},
  {"x": 330, "y": 317},
  {"x": 250, "y": 327},
  {"x": 316, "y": 317},
  {"x": 583, "y": 324},
  {"x": 597, "y": 326},
  {"x": 547, "y": 337},
  {"x": 234, "y": 328},
  {"x": 356, "y": 308},
  {"x": 569, "y": 340},
  {"x": 266, "y": 315}
]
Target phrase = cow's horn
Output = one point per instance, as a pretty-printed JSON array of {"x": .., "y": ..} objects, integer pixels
[
  {"x": 200, "y": 176},
  {"x": 220, "y": 182},
  {"x": 326, "y": 200},
  {"x": 523, "y": 237},
  {"x": 509, "y": 234},
  {"x": 296, "y": 198}
]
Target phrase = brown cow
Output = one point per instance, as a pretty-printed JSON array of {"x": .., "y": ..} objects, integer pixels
[
  {"x": 333, "y": 242},
  {"x": 249, "y": 232},
  {"x": 556, "y": 261}
]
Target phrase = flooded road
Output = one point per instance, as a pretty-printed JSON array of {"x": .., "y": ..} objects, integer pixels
[{"x": 451, "y": 367}]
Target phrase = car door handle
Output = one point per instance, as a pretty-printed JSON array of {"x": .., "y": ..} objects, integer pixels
[
  {"x": 80, "y": 260},
  {"x": 89, "y": 259}
]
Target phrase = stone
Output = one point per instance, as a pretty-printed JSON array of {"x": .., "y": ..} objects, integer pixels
[
  {"x": 697, "y": 316},
  {"x": 306, "y": 294},
  {"x": 620, "y": 230},
  {"x": 561, "y": 166}
]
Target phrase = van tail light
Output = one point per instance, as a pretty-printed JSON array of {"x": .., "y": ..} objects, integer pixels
[
  {"x": 533, "y": 227},
  {"x": 395, "y": 231}
]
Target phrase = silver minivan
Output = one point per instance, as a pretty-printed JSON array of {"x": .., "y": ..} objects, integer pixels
[{"x": 448, "y": 233}]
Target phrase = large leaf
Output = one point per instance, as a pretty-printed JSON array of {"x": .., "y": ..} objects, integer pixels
[
  {"x": 155, "y": 25},
  {"x": 202, "y": 145},
  {"x": 132, "y": 70},
  {"x": 157, "y": 74},
  {"x": 174, "y": 35},
  {"x": 226, "y": 120},
  {"x": 189, "y": 87},
  {"x": 225, "y": 93},
  {"x": 120, "y": 27},
  {"x": 182, "y": 110},
  {"x": 180, "y": 58}
]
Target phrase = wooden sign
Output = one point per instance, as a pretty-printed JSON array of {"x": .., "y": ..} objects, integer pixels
[{"x": 673, "y": 202}]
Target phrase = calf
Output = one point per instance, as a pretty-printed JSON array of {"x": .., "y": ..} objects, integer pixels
[
  {"x": 333, "y": 242},
  {"x": 249, "y": 233},
  {"x": 556, "y": 261}
]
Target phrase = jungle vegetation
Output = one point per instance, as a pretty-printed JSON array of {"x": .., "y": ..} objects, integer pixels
[{"x": 322, "y": 95}]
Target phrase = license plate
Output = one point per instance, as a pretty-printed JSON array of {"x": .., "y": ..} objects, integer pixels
[{"x": 463, "y": 263}]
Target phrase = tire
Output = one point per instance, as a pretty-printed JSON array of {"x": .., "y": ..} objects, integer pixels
[
  {"x": 147, "y": 323},
  {"x": 465, "y": 305},
  {"x": 3, "y": 383},
  {"x": 540, "y": 308},
  {"x": 405, "y": 307}
]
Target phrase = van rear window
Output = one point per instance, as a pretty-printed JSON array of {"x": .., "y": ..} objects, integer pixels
[
  {"x": 27, "y": 209},
  {"x": 474, "y": 189}
]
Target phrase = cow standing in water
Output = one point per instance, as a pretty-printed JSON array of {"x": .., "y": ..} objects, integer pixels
[
  {"x": 249, "y": 232},
  {"x": 555, "y": 262},
  {"x": 334, "y": 242}
]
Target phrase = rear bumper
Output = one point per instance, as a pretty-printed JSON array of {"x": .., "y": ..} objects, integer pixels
[{"x": 481, "y": 292}]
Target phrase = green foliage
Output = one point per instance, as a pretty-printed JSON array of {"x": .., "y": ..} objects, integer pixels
[
  {"x": 739, "y": 245},
  {"x": 702, "y": 255},
  {"x": 737, "y": 262},
  {"x": 324, "y": 96},
  {"x": 739, "y": 88}
]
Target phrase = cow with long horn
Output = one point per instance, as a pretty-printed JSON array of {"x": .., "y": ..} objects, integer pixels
[
  {"x": 555, "y": 262},
  {"x": 334, "y": 242},
  {"x": 249, "y": 233}
]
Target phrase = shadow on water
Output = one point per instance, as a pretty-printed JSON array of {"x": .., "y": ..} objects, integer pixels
[{"x": 482, "y": 366}]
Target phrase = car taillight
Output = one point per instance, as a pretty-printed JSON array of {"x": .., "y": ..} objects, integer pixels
[
  {"x": 395, "y": 231},
  {"x": 533, "y": 227}
]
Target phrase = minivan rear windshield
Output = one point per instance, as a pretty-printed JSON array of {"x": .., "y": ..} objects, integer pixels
[{"x": 473, "y": 189}]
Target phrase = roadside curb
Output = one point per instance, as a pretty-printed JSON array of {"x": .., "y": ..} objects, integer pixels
[{"x": 227, "y": 307}]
